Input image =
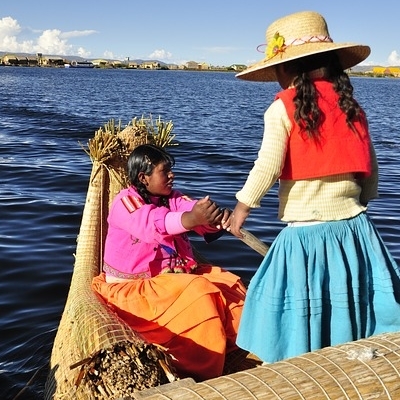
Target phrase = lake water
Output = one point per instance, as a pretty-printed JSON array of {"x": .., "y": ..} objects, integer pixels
[{"x": 46, "y": 114}]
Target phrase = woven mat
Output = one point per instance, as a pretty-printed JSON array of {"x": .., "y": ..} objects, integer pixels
[{"x": 364, "y": 369}]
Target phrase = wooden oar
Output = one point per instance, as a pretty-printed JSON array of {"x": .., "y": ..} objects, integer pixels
[{"x": 254, "y": 242}]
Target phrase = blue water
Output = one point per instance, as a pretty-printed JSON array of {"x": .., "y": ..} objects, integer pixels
[{"x": 46, "y": 115}]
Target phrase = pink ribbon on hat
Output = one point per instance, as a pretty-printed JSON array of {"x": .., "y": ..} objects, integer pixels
[
  {"x": 302, "y": 40},
  {"x": 308, "y": 39}
]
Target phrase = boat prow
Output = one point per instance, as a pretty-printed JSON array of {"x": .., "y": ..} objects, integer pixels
[{"x": 79, "y": 64}]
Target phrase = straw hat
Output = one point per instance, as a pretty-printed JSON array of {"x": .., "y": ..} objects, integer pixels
[{"x": 299, "y": 35}]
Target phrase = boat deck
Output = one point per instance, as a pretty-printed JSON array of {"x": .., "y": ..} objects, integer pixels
[{"x": 365, "y": 369}]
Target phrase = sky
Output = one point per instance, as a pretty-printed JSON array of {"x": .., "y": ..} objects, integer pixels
[{"x": 216, "y": 32}]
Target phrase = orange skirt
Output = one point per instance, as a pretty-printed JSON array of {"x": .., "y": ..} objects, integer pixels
[{"x": 195, "y": 316}]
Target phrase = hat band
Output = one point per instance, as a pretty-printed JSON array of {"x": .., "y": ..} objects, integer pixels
[
  {"x": 279, "y": 44},
  {"x": 309, "y": 39}
]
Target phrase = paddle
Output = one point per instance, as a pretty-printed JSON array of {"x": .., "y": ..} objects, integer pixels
[{"x": 254, "y": 242}]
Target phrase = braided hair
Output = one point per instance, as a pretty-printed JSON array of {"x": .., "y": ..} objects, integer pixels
[
  {"x": 145, "y": 158},
  {"x": 308, "y": 115}
]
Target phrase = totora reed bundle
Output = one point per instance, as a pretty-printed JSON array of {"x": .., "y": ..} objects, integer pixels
[{"x": 95, "y": 354}]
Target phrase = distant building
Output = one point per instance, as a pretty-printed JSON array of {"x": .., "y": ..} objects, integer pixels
[
  {"x": 22, "y": 59},
  {"x": 238, "y": 67},
  {"x": 117, "y": 63},
  {"x": 10, "y": 59},
  {"x": 192, "y": 65},
  {"x": 150, "y": 65},
  {"x": 204, "y": 66},
  {"x": 100, "y": 63},
  {"x": 32, "y": 61},
  {"x": 133, "y": 65},
  {"x": 387, "y": 71},
  {"x": 53, "y": 61}
]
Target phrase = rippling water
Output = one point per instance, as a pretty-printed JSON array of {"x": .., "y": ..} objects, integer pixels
[{"x": 45, "y": 116}]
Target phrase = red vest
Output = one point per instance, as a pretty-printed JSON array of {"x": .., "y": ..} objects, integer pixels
[{"x": 338, "y": 149}]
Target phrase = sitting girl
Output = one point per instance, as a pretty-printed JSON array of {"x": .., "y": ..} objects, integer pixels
[{"x": 150, "y": 275}]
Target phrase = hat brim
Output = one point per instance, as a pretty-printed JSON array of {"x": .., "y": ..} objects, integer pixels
[{"x": 350, "y": 54}]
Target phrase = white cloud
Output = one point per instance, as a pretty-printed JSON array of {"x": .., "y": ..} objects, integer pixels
[
  {"x": 73, "y": 34},
  {"x": 394, "y": 58},
  {"x": 160, "y": 55},
  {"x": 109, "y": 55},
  {"x": 8, "y": 27},
  {"x": 49, "y": 41},
  {"x": 81, "y": 52}
]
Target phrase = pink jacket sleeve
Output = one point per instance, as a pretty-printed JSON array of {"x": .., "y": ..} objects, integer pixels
[
  {"x": 151, "y": 223},
  {"x": 181, "y": 202}
]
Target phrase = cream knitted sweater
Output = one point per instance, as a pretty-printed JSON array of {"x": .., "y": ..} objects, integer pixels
[{"x": 328, "y": 198}]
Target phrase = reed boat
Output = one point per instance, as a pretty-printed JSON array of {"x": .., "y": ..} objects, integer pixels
[
  {"x": 79, "y": 64},
  {"x": 96, "y": 355}
]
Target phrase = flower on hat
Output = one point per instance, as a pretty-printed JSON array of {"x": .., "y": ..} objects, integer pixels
[{"x": 276, "y": 45}]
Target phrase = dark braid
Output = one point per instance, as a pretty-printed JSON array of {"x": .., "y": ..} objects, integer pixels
[
  {"x": 145, "y": 158},
  {"x": 307, "y": 114},
  {"x": 347, "y": 103}
]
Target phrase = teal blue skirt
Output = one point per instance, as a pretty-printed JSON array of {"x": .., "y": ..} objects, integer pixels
[{"x": 320, "y": 285}]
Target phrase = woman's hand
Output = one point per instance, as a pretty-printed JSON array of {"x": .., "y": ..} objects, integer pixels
[{"x": 237, "y": 219}]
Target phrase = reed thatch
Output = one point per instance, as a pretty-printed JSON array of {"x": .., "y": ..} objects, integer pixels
[{"x": 366, "y": 369}]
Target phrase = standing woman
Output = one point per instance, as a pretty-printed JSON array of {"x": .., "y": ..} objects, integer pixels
[{"x": 328, "y": 278}]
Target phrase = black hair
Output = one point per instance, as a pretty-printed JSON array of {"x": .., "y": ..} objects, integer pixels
[
  {"x": 145, "y": 158},
  {"x": 308, "y": 115}
]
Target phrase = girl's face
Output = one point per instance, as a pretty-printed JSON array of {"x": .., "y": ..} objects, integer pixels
[{"x": 160, "y": 182}]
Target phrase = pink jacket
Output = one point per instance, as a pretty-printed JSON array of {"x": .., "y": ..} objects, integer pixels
[{"x": 144, "y": 240}]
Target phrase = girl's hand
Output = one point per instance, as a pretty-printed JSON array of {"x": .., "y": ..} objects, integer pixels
[
  {"x": 225, "y": 216},
  {"x": 204, "y": 212},
  {"x": 237, "y": 219}
]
